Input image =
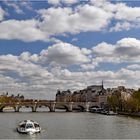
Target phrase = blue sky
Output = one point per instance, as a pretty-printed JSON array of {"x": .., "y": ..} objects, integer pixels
[{"x": 67, "y": 44}]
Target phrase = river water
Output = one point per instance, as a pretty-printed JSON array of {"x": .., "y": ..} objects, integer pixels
[{"x": 73, "y": 125}]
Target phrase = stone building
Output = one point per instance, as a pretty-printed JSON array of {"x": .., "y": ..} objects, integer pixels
[
  {"x": 88, "y": 94},
  {"x": 124, "y": 93},
  {"x": 63, "y": 96},
  {"x": 94, "y": 93}
]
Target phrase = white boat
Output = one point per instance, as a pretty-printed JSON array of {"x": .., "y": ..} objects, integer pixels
[
  {"x": 29, "y": 127},
  {"x": 111, "y": 113}
]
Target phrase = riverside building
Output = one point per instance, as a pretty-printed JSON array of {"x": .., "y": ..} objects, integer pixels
[{"x": 93, "y": 93}]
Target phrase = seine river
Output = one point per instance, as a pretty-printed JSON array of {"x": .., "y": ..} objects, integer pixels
[{"x": 78, "y": 125}]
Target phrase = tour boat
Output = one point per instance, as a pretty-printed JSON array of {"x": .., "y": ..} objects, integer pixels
[{"x": 28, "y": 127}]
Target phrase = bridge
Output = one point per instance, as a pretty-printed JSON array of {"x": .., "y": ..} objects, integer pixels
[{"x": 52, "y": 105}]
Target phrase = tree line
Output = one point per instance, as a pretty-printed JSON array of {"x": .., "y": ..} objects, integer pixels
[{"x": 117, "y": 102}]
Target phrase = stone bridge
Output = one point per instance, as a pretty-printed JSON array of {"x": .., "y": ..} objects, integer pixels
[{"x": 52, "y": 105}]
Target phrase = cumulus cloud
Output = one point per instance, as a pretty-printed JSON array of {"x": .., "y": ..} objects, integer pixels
[
  {"x": 125, "y": 50},
  {"x": 123, "y": 12},
  {"x": 103, "y": 49},
  {"x": 65, "y": 20},
  {"x": 26, "y": 56},
  {"x": 18, "y": 75},
  {"x": 40, "y": 75},
  {"x": 126, "y": 17},
  {"x": 64, "y": 53},
  {"x": 61, "y": 20},
  {"x": 25, "y": 30},
  {"x": 128, "y": 47}
]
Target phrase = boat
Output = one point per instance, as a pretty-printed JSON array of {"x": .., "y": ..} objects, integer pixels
[
  {"x": 29, "y": 127},
  {"x": 96, "y": 110},
  {"x": 111, "y": 113}
]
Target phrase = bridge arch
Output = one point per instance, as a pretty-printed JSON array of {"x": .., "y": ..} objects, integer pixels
[
  {"x": 81, "y": 107},
  {"x": 8, "y": 107},
  {"x": 20, "y": 108},
  {"x": 94, "y": 106},
  {"x": 63, "y": 107},
  {"x": 47, "y": 108}
]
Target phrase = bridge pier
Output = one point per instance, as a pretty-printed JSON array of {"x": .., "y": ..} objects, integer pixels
[
  {"x": 70, "y": 107},
  {"x": 87, "y": 106},
  {"x": 52, "y": 107},
  {"x": 34, "y": 108},
  {"x": 1, "y": 107},
  {"x": 1, "y": 110},
  {"x": 16, "y": 108}
]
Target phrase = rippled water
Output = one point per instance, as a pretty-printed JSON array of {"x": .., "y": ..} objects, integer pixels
[{"x": 62, "y": 125}]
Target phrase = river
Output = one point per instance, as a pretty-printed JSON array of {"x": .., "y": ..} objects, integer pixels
[{"x": 71, "y": 125}]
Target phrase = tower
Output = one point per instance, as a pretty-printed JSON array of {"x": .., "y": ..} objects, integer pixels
[{"x": 102, "y": 84}]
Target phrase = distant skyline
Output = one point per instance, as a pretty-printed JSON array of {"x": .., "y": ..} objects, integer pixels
[{"x": 68, "y": 44}]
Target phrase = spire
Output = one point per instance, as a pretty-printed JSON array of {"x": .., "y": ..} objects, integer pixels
[
  {"x": 102, "y": 87},
  {"x": 102, "y": 84}
]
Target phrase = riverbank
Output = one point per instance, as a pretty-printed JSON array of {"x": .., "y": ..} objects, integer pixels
[
  {"x": 130, "y": 114},
  {"x": 135, "y": 114}
]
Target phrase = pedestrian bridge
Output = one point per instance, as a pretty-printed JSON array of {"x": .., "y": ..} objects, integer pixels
[{"x": 52, "y": 105}]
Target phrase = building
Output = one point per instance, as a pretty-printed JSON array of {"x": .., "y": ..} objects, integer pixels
[
  {"x": 123, "y": 92},
  {"x": 64, "y": 96},
  {"x": 93, "y": 93}
]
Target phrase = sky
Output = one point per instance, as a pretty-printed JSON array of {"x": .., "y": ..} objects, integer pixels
[{"x": 47, "y": 45}]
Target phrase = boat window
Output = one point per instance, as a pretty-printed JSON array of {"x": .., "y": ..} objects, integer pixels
[
  {"x": 36, "y": 125},
  {"x": 29, "y": 126},
  {"x": 23, "y": 125}
]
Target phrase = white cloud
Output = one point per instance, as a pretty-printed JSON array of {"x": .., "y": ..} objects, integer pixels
[
  {"x": 134, "y": 67},
  {"x": 125, "y": 50},
  {"x": 128, "y": 47},
  {"x": 65, "y": 20},
  {"x": 70, "y": 1},
  {"x": 14, "y": 5},
  {"x": 86, "y": 51},
  {"x": 103, "y": 49},
  {"x": 2, "y": 13},
  {"x": 88, "y": 17},
  {"x": 123, "y": 12},
  {"x": 18, "y": 6},
  {"x": 25, "y": 30},
  {"x": 64, "y": 53},
  {"x": 74, "y": 39},
  {"x": 27, "y": 75},
  {"x": 26, "y": 4},
  {"x": 121, "y": 26},
  {"x": 26, "y": 56},
  {"x": 126, "y": 17},
  {"x": 88, "y": 66},
  {"x": 57, "y": 2}
]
